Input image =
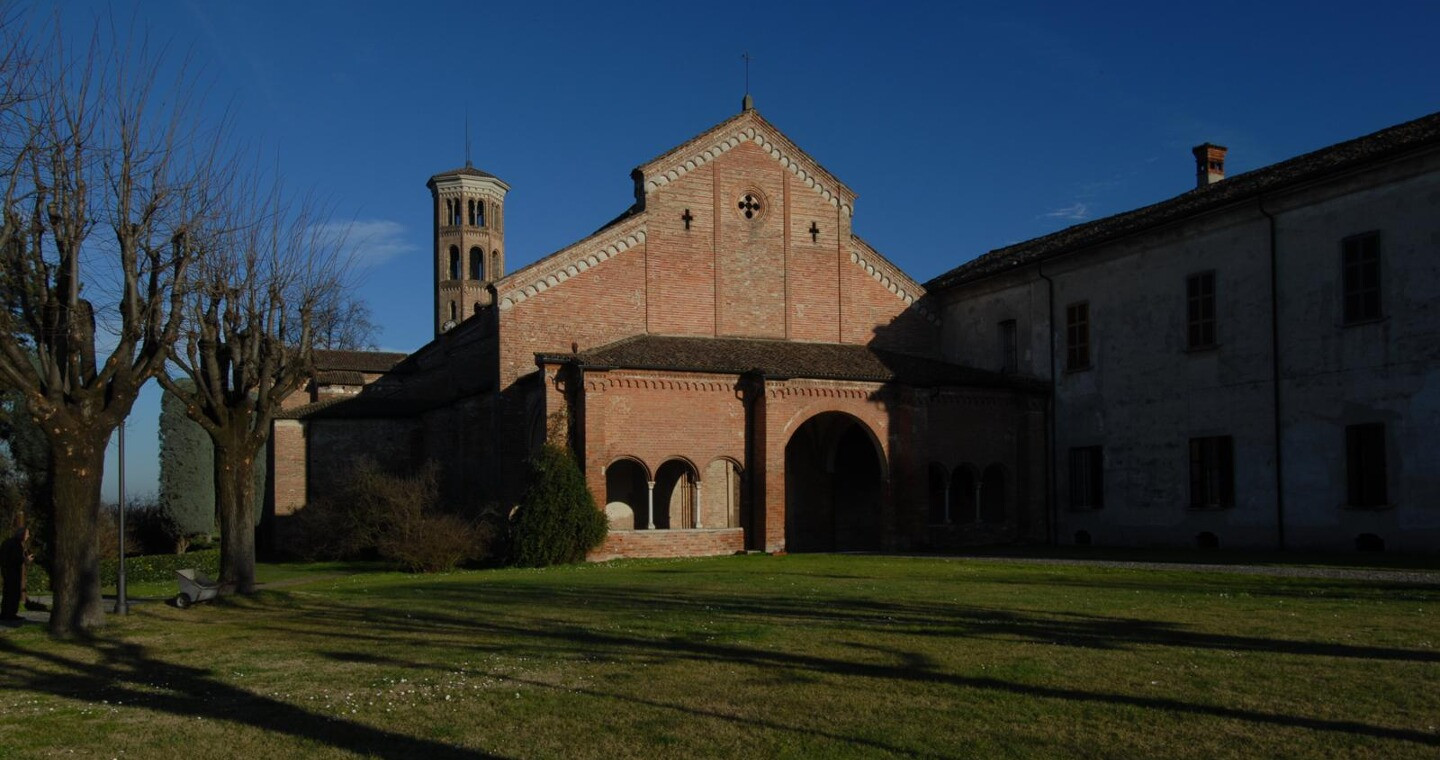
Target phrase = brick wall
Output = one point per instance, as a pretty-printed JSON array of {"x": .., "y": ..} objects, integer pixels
[
  {"x": 287, "y": 466},
  {"x": 654, "y": 417},
  {"x": 680, "y": 278},
  {"x": 636, "y": 544}
]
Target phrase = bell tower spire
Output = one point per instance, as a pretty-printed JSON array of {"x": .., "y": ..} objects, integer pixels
[{"x": 469, "y": 215}]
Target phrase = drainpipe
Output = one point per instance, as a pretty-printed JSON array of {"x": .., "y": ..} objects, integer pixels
[
  {"x": 1052, "y": 529},
  {"x": 1275, "y": 380}
]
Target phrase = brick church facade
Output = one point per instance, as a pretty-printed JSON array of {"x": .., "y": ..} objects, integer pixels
[
  {"x": 1252, "y": 363},
  {"x": 733, "y": 367}
]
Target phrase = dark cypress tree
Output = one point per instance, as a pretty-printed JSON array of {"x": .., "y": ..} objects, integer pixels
[
  {"x": 187, "y": 468},
  {"x": 557, "y": 521}
]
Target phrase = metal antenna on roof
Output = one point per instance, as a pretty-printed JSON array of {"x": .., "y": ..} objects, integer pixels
[
  {"x": 467, "y": 137},
  {"x": 748, "y": 103}
]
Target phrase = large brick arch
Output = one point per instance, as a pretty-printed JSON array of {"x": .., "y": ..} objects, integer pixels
[
  {"x": 870, "y": 416},
  {"x": 836, "y": 497}
]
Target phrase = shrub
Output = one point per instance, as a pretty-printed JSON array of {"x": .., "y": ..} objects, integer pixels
[
  {"x": 393, "y": 517},
  {"x": 557, "y": 521},
  {"x": 428, "y": 543},
  {"x": 154, "y": 529},
  {"x": 155, "y": 568}
]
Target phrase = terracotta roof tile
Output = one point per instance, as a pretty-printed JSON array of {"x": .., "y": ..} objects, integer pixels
[
  {"x": 781, "y": 358},
  {"x": 340, "y": 377},
  {"x": 356, "y": 361},
  {"x": 464, "y": 171}
]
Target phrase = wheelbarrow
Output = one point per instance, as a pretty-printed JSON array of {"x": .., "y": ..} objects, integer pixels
[{"x": 195, "y": 586}]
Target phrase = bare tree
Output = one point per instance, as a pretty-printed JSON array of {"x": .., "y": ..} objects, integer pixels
[
  {"x": 342, "y": 322},
  {"x": 267, "y": 271},
  {"x": 92, "y": 143}
]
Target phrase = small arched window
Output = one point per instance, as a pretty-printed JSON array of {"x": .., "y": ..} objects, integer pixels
[
  {"x": 477, "y": 264},
  {"x": 963, "y": 495},
  {"x": 453, "y": 207},
  {"x": 495, "y": 265},
  {"x": 453, "y": 312},
  {"x": 992, "y": 494},
  {"x": 479, "y": 213},
  {"x": 939, "y": 486},
  {"x": 477, "y": 308},
  {"x": 454, "y": 263}
]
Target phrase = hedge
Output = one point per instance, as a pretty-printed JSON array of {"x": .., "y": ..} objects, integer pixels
[{"x": 150, "y": 568}]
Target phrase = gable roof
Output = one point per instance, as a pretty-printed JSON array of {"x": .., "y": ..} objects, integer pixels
[
  {"x": 356, "y": 361},
  {"x": 629, "y": 228},
  {"x": 746, "y": 126},
  {"x": 784, "y": 358},
  {"x": 1386, "y": 144},
  {"x": 465, "y": 171}
]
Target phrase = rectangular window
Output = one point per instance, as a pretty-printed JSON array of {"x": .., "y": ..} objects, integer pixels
[
  {"x": 1365, "y": 465},
  {"x": 1200, "y": 310},
  {"x": 1087, "y": 486},
  {"x": 1009, "y": 348},
  {"x": 1212, "y": 472},
  {"x": 1077, "y": 336},
  {"x": 1361, "y": 276}
]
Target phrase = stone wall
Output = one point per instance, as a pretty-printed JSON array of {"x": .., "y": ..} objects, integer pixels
[{"x": 1147, "y": 394}]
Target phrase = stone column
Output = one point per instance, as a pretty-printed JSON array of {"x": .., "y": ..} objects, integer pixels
[
  {"x": 698, "y": 503},
  {"x": 650, "y": 504}
]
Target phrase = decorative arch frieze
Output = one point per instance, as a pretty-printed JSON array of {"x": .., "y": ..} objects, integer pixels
[
  {"x": 767, "y": 139},
  {"x": 790, "y": 391},
  {"x": 663, "y": 384},
  {"x": 892, "y": 279},
  {"x": 564, "y": 264}
]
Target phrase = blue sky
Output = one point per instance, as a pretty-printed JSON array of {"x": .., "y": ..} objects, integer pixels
[{"x": 962, "y": 126}]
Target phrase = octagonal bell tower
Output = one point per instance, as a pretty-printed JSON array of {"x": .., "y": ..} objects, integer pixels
[{"x": 469, "y": 241}]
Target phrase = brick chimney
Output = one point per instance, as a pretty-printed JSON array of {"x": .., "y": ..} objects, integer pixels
[{"x": 1209, "y": 163}]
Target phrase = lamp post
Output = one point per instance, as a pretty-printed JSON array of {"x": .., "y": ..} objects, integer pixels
[{"x": 122, "y": 607}]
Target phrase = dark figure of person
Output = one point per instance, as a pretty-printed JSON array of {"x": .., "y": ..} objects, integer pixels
[{"x": 14, "y": 554}]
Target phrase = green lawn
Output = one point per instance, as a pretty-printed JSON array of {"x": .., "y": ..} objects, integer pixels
[{"x": 798, "y": 656}]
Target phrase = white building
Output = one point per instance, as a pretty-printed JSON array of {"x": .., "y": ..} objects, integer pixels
[{"x": 1253, "y": 363}]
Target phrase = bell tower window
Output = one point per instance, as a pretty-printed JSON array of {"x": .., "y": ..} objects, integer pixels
[
  {"x": 454, "y": 263},
  {"x": 477, "y": 264},
  {"x": 479, "y": 213}
]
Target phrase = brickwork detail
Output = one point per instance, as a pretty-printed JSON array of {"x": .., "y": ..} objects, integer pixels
[
  {"x": 769, "y": 141},
  {"x": 656, "y": 544}
]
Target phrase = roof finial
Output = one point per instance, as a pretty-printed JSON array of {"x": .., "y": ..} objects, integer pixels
[
  {"x": 747, "y": 103},
  {"x": 467, "y": 138}
]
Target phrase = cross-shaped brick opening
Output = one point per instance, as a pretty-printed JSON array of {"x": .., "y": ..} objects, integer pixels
[{"x": 750, "y": 205}]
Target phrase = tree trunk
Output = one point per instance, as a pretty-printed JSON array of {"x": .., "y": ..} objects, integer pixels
[
  {"x": 235, "y": 501},
  {"x": 76, "y": 468}
]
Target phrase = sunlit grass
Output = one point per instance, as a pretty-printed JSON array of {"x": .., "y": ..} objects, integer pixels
[{"x": 803, "y": 656}]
